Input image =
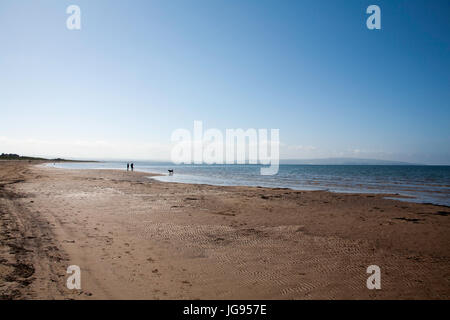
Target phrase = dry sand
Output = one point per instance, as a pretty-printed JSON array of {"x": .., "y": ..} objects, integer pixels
[{"x": 137, "y": 238}]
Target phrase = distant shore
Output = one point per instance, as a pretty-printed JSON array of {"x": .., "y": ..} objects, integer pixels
[
  {"x": 136, "y": 238},
  {"x": 16, "y": 157}
]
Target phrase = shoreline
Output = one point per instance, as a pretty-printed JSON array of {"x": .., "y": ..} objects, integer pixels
[
  {"x": 388, "y": 196},
  {"x": 139, "y": 238}
]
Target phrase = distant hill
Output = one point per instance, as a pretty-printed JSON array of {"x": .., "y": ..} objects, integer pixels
[
  {"x": 13, "y": 156},
  {"x": 345, "y": 161}
]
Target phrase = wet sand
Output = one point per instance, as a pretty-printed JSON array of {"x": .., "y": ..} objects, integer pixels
[{"x": 137, "y": 238}]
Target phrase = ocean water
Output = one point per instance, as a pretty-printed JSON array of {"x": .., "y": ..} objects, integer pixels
[{"x": 425, "y": 184}]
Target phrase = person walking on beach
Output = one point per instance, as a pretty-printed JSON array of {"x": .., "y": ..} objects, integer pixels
[
  {"x": 128, "y": 166},
  {"x": 132, "y": 166}
]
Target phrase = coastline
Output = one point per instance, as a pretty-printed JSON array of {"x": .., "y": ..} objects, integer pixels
[
  {"x": 420, "y": 187},
  {"x": 139, "y": 238}
]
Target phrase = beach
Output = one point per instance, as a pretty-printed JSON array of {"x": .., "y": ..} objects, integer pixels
[{"x": 139, "y": 238}]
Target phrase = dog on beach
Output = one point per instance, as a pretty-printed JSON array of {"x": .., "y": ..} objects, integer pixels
[{"x": 170, "y": 172}]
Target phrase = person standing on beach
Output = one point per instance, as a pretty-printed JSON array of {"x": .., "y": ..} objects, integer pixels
[
  {"x": 128, "y": 166},
  {"x": 132, "y": 166}
]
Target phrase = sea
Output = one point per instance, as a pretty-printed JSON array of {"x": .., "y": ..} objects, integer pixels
[{"x": 422, "y": 184}]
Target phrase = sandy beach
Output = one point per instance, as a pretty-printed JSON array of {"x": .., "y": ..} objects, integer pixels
[{"x": 137, "y": 238}]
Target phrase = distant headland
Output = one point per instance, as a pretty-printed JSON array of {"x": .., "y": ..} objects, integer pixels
[{"x": 13, "y": 156}]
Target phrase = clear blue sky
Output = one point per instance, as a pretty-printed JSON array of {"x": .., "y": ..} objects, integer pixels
[{"x": 137, "y": 70}]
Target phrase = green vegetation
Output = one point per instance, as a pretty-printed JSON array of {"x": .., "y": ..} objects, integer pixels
[{"x": 13, "y": 156}]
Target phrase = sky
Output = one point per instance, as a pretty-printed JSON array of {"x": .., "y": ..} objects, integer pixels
[{"x": 138, "y": 70}]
